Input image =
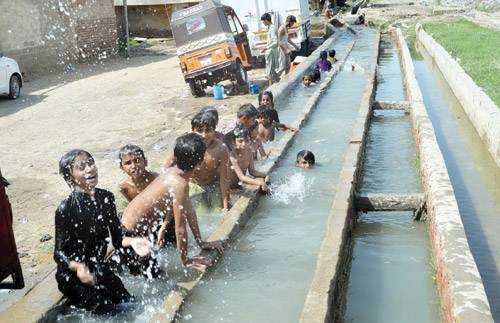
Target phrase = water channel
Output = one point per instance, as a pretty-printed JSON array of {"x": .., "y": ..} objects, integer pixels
[
  {"x": 266, "y": 274},
  {"x": 473, "y": 173}
]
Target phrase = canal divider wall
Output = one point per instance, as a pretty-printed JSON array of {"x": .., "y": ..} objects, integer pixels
[
  {"x": 481, "y": 110},
  {"x": 42, "y": 302},
  {"x": 461, "y": 290},
  {"x": 324, "y": 301},
  {"x": 242, "y": 211}
]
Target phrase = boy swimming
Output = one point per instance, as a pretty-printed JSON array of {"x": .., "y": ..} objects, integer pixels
[
  {"x": 331, "y": 56},
  {"x": 307, "y": 80},
  {"x": 242, "y": 161},
  {"x": 133, "y": 162},
  {"x": 323, "y": 65},
  {"x": 305, "y": 159},
  {"x": 83, "y": 223},
  {"x": 212, "y": 173},
  {"x": 167, "y": 199}
]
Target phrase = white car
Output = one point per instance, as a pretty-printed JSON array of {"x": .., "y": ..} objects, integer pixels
[{"x": 11, "y": 80}]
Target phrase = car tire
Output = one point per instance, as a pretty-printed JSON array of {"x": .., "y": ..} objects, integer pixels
[
  {"x": 241, "y": 74},
  {"x": 196, "y": 88},
  {"x": 14, "y": 87}
]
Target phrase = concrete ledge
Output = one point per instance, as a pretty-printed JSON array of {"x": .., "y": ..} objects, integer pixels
[
  {"x": 389, "y": 201},
  {"x": 324, "y": 300},
  {"x": 461, "y": 290},
  {"x": 42, "y": 299},
  {"x": 481, "y": 110},
  {"x": 241, "y": 212},
  {"x": 392, "y": 105}
]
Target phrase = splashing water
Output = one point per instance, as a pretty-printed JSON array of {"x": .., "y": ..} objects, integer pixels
[{"x": 291, "y": 188}]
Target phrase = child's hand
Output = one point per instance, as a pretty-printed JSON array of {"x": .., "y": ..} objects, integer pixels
[
  {"x": 213, "y": 245},
  {"x": 196, "y": 261},
  {"x": 83, "y": 273},
  {"x": 265, "y": 188},
  {"x": 161, "y": 237},
  {"x": 141, "y": 246}
]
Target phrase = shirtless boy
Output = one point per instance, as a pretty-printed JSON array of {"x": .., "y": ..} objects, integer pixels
[
  {"x": 242, "y": 161},
  {"x": 215, "y": 165},
  {"x": 267, "y": 126},
  {"x": 167, "y": 198},
  {"x": 133, "y": 162}
]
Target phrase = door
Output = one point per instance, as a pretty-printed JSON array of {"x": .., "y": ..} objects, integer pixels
[
  {"x": 4, "y": 81},
  {"x": 240, "y": 38}
]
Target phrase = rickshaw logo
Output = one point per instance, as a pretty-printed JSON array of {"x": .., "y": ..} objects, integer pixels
[{"x": 195, "y": 25}]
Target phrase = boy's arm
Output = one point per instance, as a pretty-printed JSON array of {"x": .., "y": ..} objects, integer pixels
[
  {"x": 241, "y": 176},
  {"x": 283, "y": 126},
  {"x": 254, "y": 172},
  {"x": 260, "y": 148},
  {"x": 223, "y": 171},
  {"x": 179, "y": 207}
]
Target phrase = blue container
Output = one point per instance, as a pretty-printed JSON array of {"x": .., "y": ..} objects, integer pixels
[
  {"x": 218, "y": 92},
  {"x": 254, "y": 89}
]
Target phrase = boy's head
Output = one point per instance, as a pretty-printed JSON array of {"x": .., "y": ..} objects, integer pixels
[
  {"x": 242, "y": 137},
  {"x": 307, "y": 80},
  {"x": 189, "y": 151},
  {"x": 265, "y": 115},
  {"x": 305, "y": 159},
  {"x": 132, "y": 160},
  {"x": 203, "y": 124},
  {"x": 266, "y": 98},
  {"x": 247, "y": 114},
  {"x": 332, "y": 53},
  {"x": 213, "y": 111},
  {"x": 290, "y": 21},
  {"x": 316, "y": 76},
  {"x": 266, "y": 19},
  {"x": 78, "y": 169},
  {"x": 323, "y": 54}
]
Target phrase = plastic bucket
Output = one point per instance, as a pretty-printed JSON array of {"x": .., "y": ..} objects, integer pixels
[
  {"x": 254, "y": 89},
  {"x": 218, "y": 92}
]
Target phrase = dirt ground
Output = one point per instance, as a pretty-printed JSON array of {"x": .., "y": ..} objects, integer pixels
[
  {"x": 97, "y": 107},
  {"x": 100, "y": 107}
]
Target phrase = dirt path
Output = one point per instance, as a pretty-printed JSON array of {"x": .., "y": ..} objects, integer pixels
[{"x": 100, "y": 107}]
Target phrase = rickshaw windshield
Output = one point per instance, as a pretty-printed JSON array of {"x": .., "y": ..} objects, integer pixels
[{"x": 196, "y": 27}]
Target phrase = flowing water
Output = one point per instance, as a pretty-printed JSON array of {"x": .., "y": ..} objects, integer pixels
[
  {"x": 266, "y": 274},
  {"x": 150, "y": 293},
  {"x": 391, "y": 274},
  {"x": 473, "y": 173}
]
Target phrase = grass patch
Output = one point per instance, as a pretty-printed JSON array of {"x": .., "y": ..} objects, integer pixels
[{"x": 476, "y": 48}]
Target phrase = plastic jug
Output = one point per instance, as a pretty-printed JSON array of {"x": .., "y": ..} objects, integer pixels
[
  {"x": 218, "y": 92},
  {"x": 254, "y": 88}
]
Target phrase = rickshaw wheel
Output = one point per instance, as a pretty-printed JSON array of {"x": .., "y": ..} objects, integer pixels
[
  {"x": 196, "y": 88},
  {"x": 241, "y": 74}
]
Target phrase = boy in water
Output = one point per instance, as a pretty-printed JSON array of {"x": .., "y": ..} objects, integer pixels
[
  {"x": 213, "y": 171},
  {"x": 267, "y": 125},
  {"x": 323, "y": 65},
  {"x": 331, "y": 56},
  {"x": 133, "y": 162},
  {"x": 212, "y": 110},
  {"x": 307, "y": 80},
  {"x": 305, "y": 159},
  {"x": 167, "y": 198},
  {"x": 83, "y": 223},
  {"x": 242, "y": 161}
]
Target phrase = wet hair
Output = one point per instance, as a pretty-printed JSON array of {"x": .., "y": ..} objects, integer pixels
[
  {"x": 309, "y": 76},
  {"x": 266, "y": 16},
  {"x": 291, "y": 18},
  {"x": 323, "y": 54},
  {"x": 269, "y": 94},
  {"x": 130, "y": 149},
  {"x": 67, "y": 161},
  {"x": 189, "y": 151},
  {"x": 306, "y": 155},
  {"x": 212, "y": 110},
  {"x": 265, "y": 112},
  {"x": 242, "y": 132},
  {"x": 332, "y": 53},
  {"x": 204, "y": 120},
  {"x": 247, "y": 110},
  {"x": 316, "y": 76}
]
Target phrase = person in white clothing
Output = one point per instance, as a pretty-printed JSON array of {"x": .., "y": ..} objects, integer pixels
[{"x": 284, "y": 45}]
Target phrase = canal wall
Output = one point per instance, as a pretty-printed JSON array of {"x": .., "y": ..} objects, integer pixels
[
  {"x": 43, "y": 302},
  {"x": 324, "y": 301},
  {"x": 461, "y": 290},
  {"x": 481, "y": 110}
]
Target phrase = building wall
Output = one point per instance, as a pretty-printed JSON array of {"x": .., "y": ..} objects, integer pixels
[{"x": 47, "y": 35}]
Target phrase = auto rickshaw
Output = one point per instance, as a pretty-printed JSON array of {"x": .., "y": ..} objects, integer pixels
[
  {"x": 212, "y": 46},
  {"x": 9, "y": 260}
]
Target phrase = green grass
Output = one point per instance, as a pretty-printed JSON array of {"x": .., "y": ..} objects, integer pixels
[{"x": 476, "y": 48}]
